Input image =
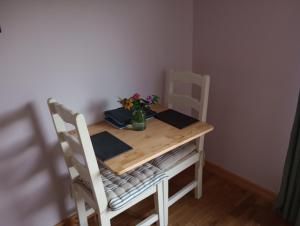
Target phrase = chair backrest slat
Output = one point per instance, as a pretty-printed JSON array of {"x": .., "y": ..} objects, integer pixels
[
  {"x": 82, "y": 170},
  {"x": 79, "y": 142},
  {"x": 186, "y": 77},
  {"x": 66, "y": 114},
  {"x": 72, "y": 141},
  {"x": 185, "y": 101}
]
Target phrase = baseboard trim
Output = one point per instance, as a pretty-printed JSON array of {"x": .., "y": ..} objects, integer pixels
[{"x": 240, "y": 181}]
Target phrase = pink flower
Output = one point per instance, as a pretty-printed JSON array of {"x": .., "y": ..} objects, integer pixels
[{"x": 136, "y": 96}]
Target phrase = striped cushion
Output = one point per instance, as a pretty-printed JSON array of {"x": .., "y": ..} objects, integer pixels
[
  {"x": 122, "y": 189},
  {"x": 170, "y": 159}
]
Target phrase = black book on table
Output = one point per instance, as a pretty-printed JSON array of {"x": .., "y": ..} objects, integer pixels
[
  {"x": 121, "y": 117},
  {"x": 175, "y": 118},
  {"x": 107, "y": 146}
]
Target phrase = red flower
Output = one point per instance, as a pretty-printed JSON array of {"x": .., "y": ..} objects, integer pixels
[{"x": 136, "y": 96}]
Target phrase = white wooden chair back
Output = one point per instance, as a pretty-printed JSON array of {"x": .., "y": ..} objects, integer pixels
[
  {"x": 78, "y": 144},
  {"x": 185, "y": 101}
]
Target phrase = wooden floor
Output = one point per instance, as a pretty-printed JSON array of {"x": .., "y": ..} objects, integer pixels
[{"x": 222, "y": 204}]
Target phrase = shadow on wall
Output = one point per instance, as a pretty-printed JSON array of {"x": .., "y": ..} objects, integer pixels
[{"x": 28, "y": 168}]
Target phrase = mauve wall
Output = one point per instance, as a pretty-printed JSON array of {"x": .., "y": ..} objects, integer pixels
[
  {"x": 251, "y": 49},
  {"x": 85, "y": 54}
]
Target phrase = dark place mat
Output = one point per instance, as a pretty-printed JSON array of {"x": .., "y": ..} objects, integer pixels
[
  {"x": 107, "y": 145},
  {"x": 175, "y": 118}
]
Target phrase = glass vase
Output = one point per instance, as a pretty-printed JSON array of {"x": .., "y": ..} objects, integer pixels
[{"x": 138, "y": 120}]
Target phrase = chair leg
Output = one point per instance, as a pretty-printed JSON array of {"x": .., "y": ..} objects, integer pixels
[
  {"x": 104, "y": 220},
  {"x": 198, "y": 177},
  {"x": 166, "y": 201},
  {"x": 81, "y": 211},
  {"x": 159, "y": 204}
]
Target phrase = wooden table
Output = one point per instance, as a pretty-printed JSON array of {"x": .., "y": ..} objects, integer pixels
[{"x": 156, "y": 140}]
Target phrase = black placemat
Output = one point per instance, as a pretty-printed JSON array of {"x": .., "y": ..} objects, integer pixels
[
  {"x": 175, "y": 118},
  {"x": 107, "y": 145}
]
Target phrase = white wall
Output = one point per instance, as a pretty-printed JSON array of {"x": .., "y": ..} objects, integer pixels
[
  {"x": 85, "y": 54},
  {"x": 251, "y": 49}
]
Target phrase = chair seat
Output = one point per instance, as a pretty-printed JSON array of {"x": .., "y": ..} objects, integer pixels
[
  {"x": 121, "y": 189},
  {"x": 170, "y": 159}
]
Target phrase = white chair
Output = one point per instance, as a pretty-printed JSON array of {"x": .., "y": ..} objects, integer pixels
[
  {"x": 192, "y": 153},
  {"x": 103, "y": 191}
]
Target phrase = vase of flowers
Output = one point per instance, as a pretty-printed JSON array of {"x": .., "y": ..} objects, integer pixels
[
  {"x": 137, "y": 105},
  {"x": 138, "y": 120}
]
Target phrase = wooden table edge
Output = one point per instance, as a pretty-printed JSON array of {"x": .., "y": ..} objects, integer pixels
[{"x": 120, "y": 171}]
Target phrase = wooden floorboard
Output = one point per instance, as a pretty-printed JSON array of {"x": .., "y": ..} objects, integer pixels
[{"x": 222, "y": 204}]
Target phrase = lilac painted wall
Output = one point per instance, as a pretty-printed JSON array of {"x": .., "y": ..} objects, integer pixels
[
  {"x": 251, "y": 49},
  {"x": 85, "y": 54}
]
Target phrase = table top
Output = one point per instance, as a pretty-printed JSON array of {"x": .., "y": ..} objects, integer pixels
[{"x": 157, "y": 139}]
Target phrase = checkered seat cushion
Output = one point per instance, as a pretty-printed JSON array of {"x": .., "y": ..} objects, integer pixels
[
  {"x": 171, "y": 158},
  {"x": 121, "y": 189}
]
